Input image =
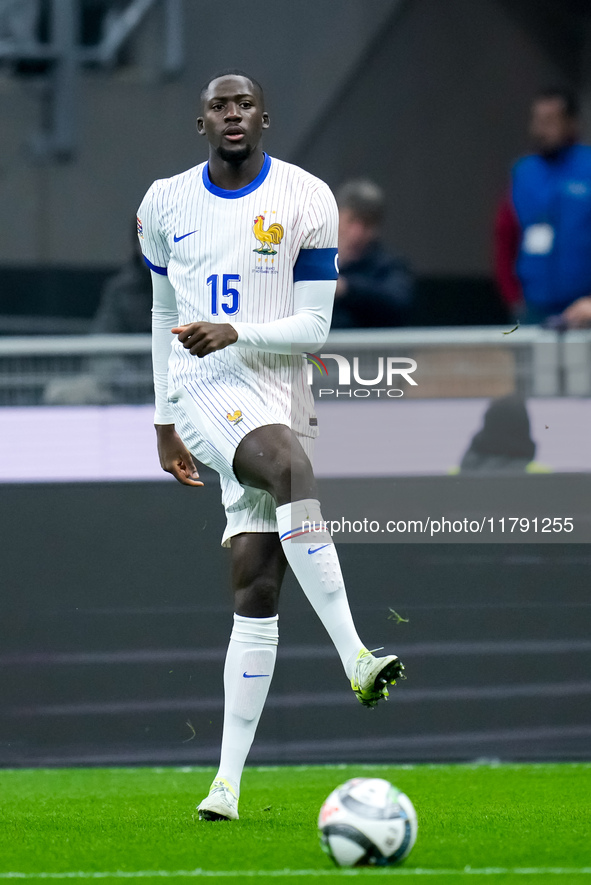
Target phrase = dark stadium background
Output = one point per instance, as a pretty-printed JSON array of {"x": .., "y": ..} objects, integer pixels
[
  {"x": 428, "y": 98},
  {"x": 115, "y": 611}
]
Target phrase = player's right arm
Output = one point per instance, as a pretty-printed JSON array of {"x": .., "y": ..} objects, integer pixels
[{"x": 174, "y": 457}]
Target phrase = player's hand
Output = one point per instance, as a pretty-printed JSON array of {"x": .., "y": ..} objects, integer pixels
[
  {"x": 203, "y": 338},
  {"x": 174, "y": 456}
]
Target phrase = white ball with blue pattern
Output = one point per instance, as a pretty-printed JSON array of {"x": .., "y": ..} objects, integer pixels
[{"x": 367, "y": 822}]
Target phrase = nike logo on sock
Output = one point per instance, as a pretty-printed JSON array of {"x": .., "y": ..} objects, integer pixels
[
  {"x": 316, "y": 549},
  {"x": 253, "y": 675},
  {"x": 182, "y": 236}
]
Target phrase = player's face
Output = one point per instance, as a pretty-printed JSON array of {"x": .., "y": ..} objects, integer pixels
[
  {"x": 551, "y": 129},
  {"x": 233, "y": 118}
]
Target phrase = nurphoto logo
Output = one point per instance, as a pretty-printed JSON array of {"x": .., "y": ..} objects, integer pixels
[{"x": 389, "y": 369}]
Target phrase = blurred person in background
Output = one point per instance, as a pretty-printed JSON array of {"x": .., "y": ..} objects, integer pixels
[
  {"x": 542, "y": 233},
  {"x": 126, "y": 300},
  {"x": 125, "y": 308},
  {"x": 504, "y": 444},
  {"x": 374, "y": 288}
]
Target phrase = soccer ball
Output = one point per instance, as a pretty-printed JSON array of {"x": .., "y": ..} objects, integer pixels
[{"x": 367, "y": 821}]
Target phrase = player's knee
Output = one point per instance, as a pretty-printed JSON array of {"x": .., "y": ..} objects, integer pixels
[
  {"x": 293, "y": 474},
  {"x": 301, "y": 467},
  {"x": 293, "y": 470},
  {"x": 257, "y": 598},
  {"x": 282, "y": 478}
]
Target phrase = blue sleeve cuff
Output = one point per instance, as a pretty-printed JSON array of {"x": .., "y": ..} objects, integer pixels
[
  {"x": 155, "y": 268},
  {"x": 316, "y": 264}
]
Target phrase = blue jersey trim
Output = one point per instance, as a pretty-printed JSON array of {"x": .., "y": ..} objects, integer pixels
[
  {"x": 316, "y": 264},
  {"x": 155, "y": 268},
  {"x": 242, "y": 191}
]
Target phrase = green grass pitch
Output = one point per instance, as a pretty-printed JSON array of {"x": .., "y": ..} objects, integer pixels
[{"x": 526, "y": 823}]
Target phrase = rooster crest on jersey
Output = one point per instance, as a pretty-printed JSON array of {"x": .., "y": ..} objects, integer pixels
[
  {"x": 267, "y": 238},
  {"x": 234, "y": 417}
]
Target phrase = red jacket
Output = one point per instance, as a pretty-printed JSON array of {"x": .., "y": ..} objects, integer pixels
[{"x": 507, "y": 237}]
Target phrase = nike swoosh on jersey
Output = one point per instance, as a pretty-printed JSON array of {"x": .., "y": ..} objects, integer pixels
[
  {"x": 182, "y": 236},
  {"x": 316, "y": 549},
  {"x": 253, "y": 675}
]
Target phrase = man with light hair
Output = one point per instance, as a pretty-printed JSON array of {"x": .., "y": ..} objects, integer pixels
[{"x": 374, "y": 289}]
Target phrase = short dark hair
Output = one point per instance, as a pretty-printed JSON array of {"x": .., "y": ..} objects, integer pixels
[
  {"x": 362, "y": 197},
  {"x": 233, "y": 72},
  {"x": 572, "y": 105}
]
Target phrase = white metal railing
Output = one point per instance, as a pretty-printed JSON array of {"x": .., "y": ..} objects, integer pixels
[
  {"x": 74, "y": 345},
  {"x": 451, "y": 362},
  {"x": 456, "y": 336}
]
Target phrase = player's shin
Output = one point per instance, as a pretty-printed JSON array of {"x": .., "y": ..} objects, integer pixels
[
  {"x": 248, "y": 670},
  {"x": 314, "y": 561}
]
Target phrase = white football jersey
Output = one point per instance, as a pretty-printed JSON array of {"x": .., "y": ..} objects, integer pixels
[{"x": 234, "y": 256}]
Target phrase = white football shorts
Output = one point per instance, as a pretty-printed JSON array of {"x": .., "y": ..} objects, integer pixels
[{"x": 211, "y": 423}]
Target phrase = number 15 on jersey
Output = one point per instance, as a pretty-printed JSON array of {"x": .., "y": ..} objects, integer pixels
[{"x": 227, "y": 292}]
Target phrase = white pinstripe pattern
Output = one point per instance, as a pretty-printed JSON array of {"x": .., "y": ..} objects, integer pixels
[
  {"x": 224, "y": 243},
  {"x": 214, "y": 444},
  {"x": 267, "y": 388}
]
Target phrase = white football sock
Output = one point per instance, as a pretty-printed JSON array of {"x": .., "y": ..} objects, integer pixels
[
  {"x": 248, "y": 670},
  {"x": 316, "y": 566}
]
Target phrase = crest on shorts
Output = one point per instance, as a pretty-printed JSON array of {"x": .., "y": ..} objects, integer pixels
[
  {"x": 267, "y": 238},
  {"x": 234, "y": 417}
]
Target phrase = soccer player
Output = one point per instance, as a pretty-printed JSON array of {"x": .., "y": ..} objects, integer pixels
[{"x": 242, "y": 251}]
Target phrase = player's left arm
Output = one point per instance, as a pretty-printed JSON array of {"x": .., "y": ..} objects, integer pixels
[
  {"x": 307, "y": 328},
  {"x": 315, "y": 274}
]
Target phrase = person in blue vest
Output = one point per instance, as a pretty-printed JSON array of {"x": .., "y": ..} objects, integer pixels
[{"x": 543, "y": 226}]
